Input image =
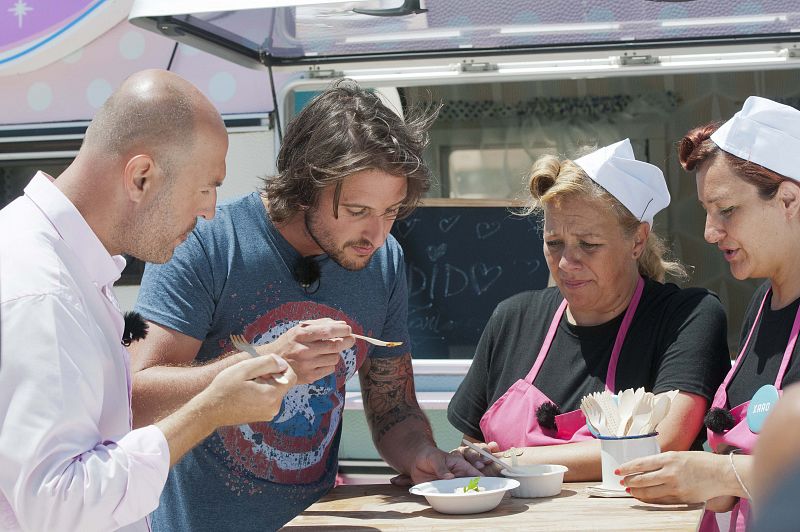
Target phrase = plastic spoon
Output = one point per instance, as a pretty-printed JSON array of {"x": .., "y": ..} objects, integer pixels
[
  {"x": 641, "y": 415},
  {"x": 660, "y": 410},
  {"x": 514, "y": 459},
  {"x": 627, "y": 400}
]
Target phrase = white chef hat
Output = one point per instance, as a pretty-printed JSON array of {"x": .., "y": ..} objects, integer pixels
[
  {"x": 638, "y": 185},
  {"x": 766, "y": 133}
]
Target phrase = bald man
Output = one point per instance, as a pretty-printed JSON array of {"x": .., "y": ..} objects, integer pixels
[{"x": 149, "y": 166}]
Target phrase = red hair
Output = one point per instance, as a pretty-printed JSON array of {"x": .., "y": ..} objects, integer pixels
[{"x": 696, "y": 148}]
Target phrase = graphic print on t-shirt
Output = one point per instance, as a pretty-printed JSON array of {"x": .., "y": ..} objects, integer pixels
[{"x": 293, "y": 448}]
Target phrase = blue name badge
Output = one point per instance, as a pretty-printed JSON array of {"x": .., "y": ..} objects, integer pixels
[{"x": 760, "y": 405}]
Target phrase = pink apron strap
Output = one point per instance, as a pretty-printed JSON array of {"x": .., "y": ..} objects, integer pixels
[
  {"x": 739, "y": 516},
  {"x": 732, "y": 372},
  {"x": 787, "y": 354},
  {"x": 623, "y": 331},
  {"x": 721, "y": 396},
  {"x": 611, "y": 375},
  {"x": 551, "y": 332}
]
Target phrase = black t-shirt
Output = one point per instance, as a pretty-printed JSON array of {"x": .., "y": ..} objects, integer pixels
[
  {"x": 765, "y": 352},
  {"x": 677, "y": 340}
]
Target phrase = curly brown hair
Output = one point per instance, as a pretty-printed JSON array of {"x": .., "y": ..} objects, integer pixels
[
  {"x": 344, "y": 130},
  {"x": 696, "y": 148}
]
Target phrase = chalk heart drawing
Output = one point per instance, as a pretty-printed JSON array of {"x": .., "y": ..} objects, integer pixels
[
  {"x": 484, "y": 277},
  {"x": 436, "y": 252},
  {"x": 404, "y": 227},
  {"x": 486, "y": 229},
  {"x": 533, "y": 266},
  {"x": 445, "y": 224}
]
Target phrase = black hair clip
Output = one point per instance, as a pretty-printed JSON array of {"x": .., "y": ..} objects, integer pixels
[
  {"x": 546, "y": 415},
  {"x": 718, "y": 420},
  {"x": 307, "y": 273},
  {"x": 135, "y": 328}
]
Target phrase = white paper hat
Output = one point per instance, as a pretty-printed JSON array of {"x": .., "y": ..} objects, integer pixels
[
  {"x": 638, "y": 185},
  {"x": 766, "y": 133}
]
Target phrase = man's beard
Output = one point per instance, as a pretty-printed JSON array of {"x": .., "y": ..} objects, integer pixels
[
  {"x": 156, "y": 249},
  {"x": 326, "y": 243},
  {"x": 150, "y": 237}
]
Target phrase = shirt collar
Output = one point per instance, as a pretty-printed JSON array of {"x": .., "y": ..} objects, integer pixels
[{"x": 76, "y": 233}]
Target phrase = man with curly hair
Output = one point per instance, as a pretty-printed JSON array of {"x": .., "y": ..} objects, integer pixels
[{"x": 296, "y": 269}]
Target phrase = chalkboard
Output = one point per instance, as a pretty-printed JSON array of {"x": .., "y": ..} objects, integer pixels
[{"x": 461, "y": 262}]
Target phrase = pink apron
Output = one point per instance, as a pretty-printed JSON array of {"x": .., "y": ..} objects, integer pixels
[
  {"x": 511, "y": 420},
  {"x": 740, "y": 436}
]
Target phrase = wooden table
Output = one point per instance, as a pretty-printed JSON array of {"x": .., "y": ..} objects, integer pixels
[{"x": 387, "y": 507}]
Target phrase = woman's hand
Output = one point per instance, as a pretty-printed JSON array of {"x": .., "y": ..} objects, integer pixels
[
  {"x": 678, "y": 477},
  {"x": 486, "y": 466}
]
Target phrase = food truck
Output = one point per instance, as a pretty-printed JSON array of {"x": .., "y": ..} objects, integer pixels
[{"x": 515, "y": 80}]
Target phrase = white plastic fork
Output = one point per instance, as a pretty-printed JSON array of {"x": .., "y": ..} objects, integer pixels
[
  {"x": 490, "y": 456},
  {"x": 610, "y": 411},
  {"x": 594, "y": 413},
  {"x": 246, "y": 347},
  {"x": 374, "y": 341}
]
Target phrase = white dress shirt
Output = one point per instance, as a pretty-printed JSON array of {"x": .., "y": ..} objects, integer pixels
[{"x": 68, "y": 457}]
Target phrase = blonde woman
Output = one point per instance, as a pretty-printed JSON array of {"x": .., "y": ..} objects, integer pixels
[{"x": 610, "y": 323}]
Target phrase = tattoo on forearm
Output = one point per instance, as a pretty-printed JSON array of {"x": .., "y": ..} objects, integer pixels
[{"x": 389, "y": 398}]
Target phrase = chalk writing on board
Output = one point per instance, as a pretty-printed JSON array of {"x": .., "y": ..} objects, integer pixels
[{"x": 460, "y": 263}]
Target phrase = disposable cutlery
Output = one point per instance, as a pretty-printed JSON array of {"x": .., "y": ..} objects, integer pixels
[{"x": 243, "y": 345}]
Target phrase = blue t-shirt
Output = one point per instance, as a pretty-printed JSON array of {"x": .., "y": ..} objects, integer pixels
[{"x": 233, "y": 276}]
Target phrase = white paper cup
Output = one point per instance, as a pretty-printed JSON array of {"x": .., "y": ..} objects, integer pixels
[{"x": 616, "y": 451}]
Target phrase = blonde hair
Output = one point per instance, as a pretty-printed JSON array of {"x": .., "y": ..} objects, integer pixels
[{"x": 553, "y": 180}]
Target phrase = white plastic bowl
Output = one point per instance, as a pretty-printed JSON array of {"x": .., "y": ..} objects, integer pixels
[
  {"x": 539, "y": 480},
  {"x": 440, "y": 494}
]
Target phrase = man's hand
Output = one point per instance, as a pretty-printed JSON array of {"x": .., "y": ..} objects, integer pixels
[
  {"x": 312, "y": 347},
  {"x": 489, "y": 468},
  {"x": 242, "y": 393},
  {"x": 246, "y": 391},
  {"x": 677, "y": 477},
  {"x": 432, "y": 464},
  {"x": 399, "y": 428}
]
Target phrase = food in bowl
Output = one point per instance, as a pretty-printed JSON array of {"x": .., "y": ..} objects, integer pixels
[
  {"x": 449, "y": 497},
  {"x": 539, "y": 480},
  {"x": 471, "y": 487}
]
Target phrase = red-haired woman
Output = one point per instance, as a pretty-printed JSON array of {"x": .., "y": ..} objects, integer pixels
[{"x": 747, "y": 180}]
